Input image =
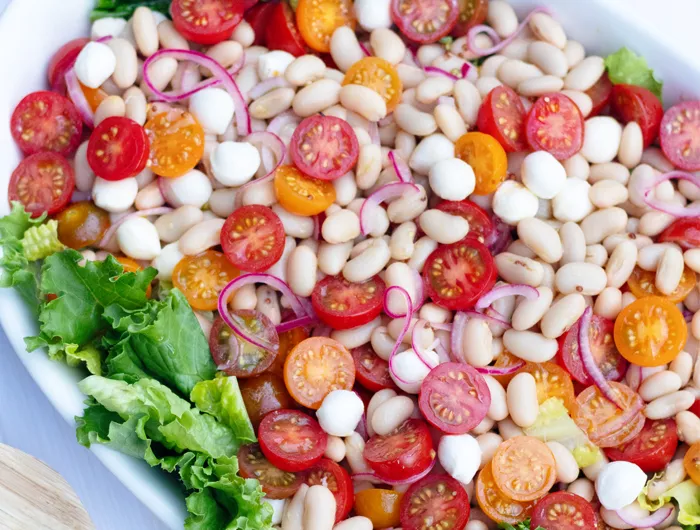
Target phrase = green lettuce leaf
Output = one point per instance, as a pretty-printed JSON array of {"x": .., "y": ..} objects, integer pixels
[
  {"x": 41, "y": 241},
  {"x": 221, "y": 397},
  {"x": 524, "y": 525},
  {"x": 90, "y": 356},
  {"x": 626, "y": 67},
  {"x": 686, "y": 495},
  {"x": 126, "y": 8}
]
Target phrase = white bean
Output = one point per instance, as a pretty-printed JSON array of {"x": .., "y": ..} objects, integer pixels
[
  {"x": 669, "y": 271},
  {"x": 387, "y": 45},
  {"x": 548, "y": 58},
  {"x": 443, "y": 227},
  {"x": 608, "y": 304},
  {"x": 292, "y": 518},
  {"x": 126, "y": 69},
  {"x": 659, "y": 384},
  {"x": 562, "y": 315},
  {"x": 268, "y": 304},
  {"x": 341, "y": 227},
  {"x": 414, "y": 121},
  {"x": 530, "y": 346},
  {"x": 498, "y": 410},
  {"x": 522, "y": 399},
  {"x": 603, "y": 223},
  {"x": 583, "y": 488},
  {"x": 345, "y": 49},
  {"x": 364, "y": 101},
  {"x": 513, "y": 72},
  {"x": 356, "y": 337},
  {"x": 631, "y": 145},
  {"x": 541, "y": 238},
  {"x": 669, "y": 405},
  {"x": 508, "y": 429},
  {"x": 517, "y": 269},
  {"x": 301, "y": 270},
  {"x": 573, "y": 243},
  {"x": 173, "y": 225},
  {"x": 391, "y": 414},
  {"x": 170, "y": 38},
  {"x": 468, "y": 100},
  {"x": 547, "y": 29},
  {"x": 332, "y": 258},
  {"x": 583, "y": 278},
  {"x": 136, "y": 105},
  {"x": 585, "y": 74},
  {"x": 477, "y": 343},
  {"x": 145, "y": 31},
  {"x": 201, "y": 237},
  {"x": 422, "y": 249},
  {"x": 315, "y": 97},
  {"x": 688, "y": 427},
  {"x": 529, "y": 312},
  {"x": 621, "y": 263},
  {"x": 379, "y": 398},
  {"x": 607, "y": 193},
  {"x": 502, "y": 18},
  {"x": 319, "y": 509},
  {"x": 567, "y": 468},
  {"x": 401, "y": 244},
  {"x": 354, "y": 523}
]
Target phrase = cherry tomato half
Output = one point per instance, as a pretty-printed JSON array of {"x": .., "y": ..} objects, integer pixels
[
  {"x": 288, "y": 340},
  {"x": 291, "y": 440},
  {"x": 551, "y": 380},
  {"x": 318, "y": 19},
  {"x": 471, "y": 13},
  {"x": 42, "y": 182},
  {"x": 502, "y": 115},
  {"x": 380, "y": 506},
  {"x": 263, "y": 394},
  {"x": 206, "y": 21},
  {"x": 177, "y": 142},
  {"x": 643, "y": 283},
  {"x": 454, "y": 398},
  {"x": 435, "y": 498},
  {"x": 276, "y": 484},
  {"x": 324, "y": 147},
  {"x": 401, "y": 454},
  {"x": 480, "y": 225},
  {"x": 680, "y": 135},
  {"x": 379, "y": 75},
  {"x": 495, "y": 504},
  {"x": 118, "y": 149},
  {"x": 486, "y": 157},
  {"x": 300, "y": 194},
  {"x": 600, "y": 94},
  {"x": 563, "y": 511},
  {"x": 46, "y": 121},
  {"x": 259, "y": 18},
  {"x": 524, "y": 468},
  {"x": 555, "y": 124},
  {"x": 684, "y": 232},
  {"x": 82, "y": 225},
  {"x": 201, "y": 278},
  {"x": 691, "y": 462},
  {"x": 638, "y": 104},
  {"x": 282, "y": 32},
  {"x": 456, "y": 275},
  {"x": 424, "y": 21},
  {"x": 253, "y": 238},
  {"x": 62, "y": 61},
  {"x": 329, "y": 474},
  {"x": 652, "y": 449},
  {"x": 371, "y": 371},
  {"x": 343, "y": 305}
]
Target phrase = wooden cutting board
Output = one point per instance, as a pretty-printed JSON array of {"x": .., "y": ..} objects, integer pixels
[{"x": 33, "y": 496}]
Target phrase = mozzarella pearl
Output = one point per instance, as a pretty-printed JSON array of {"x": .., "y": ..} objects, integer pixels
[
  {"x": 513, "y": 202},
  {"x": 411, "y": 370},
  {"x": 543, "y": 174},
  {"x": 193, "y": 188},
  {"x": 601, "y": 140},
  {"x": 273, "y": 64},
  {"x": 95, "y": 64},
  {"x": 213, "y": 108},
  {"x": 452, "y": 179},
  {"x": 340, "y": 413},
  {"x": 166, "y": 261},
  {"x": 138, "y": 238},
  {"x": 234, "y": 163},
  {"x": 619, "y": 484},
  {"x": 572, "y": 202},
  {"x": 460, "y": 455},
  {"x": 429, "y": 152},
  {"x": 115, "y": 196},
  {"x": 373, "y": 14}
]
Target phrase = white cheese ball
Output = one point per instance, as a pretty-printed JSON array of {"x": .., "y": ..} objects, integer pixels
[
  {"x": 274, "y": 64},
  {"x": 166, "y": 261},
  {"x": 411, "y": 370},
  {"x": 340, "y": 413},
  {"x": 452, "y": 179},
  {"x": 460, "y": 455},
  {"x": 234, "y": 163},
  {"x": 115, "y": 196},
  {"x": 619, "y": 484},
  {"x": 95, "y": 64},
  {"x": 513, "y": 202},
  {"x": 138, "y": 238},
  {"x": 277, "y": 509},
  {"x": 601, "y": 140},
  {"x": 572, "y": 202},
  {"x": 431, "y": 150},
  {"x": 107, "y": 27},
  {"x": 213, "y": 108},
  {"x": 543, "y": 174},
  {"x": 193, "y": 188},
  {"x": 373, "y": 14}
]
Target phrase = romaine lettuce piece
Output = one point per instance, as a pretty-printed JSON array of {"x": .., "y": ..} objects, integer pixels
[{"x": 687, "y": 497}]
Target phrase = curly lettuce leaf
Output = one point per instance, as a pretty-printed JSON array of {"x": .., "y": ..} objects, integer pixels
[
  {"x": 626, "y": 67},
  {"x": 687, "y": 497},
  {"x": 89, "y": 356},
  {"x": 41, "y": 241}
]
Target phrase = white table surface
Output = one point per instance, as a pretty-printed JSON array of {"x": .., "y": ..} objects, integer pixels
[{"x": 28, "y": 422}]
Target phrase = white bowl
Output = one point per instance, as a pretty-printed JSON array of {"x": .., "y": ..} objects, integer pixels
[{"x": 31, "y": 30}]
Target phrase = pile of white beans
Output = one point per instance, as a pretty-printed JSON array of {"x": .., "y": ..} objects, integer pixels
[{"x": 582, "y": 227}]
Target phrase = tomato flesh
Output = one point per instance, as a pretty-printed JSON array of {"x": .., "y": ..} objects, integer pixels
[
  {"x": 329, "y": 474},
  {"x": 317, "y": 20},
  {"x": 62, "y": 61},
  {"x": 495, "y": 504},
  {"x": 259, "y": 18},
  {"x": 206, "y": 21},
  {"x": 343, "y": 305},
  {"x": 684, "y": 232},
  {"x": 480, "y": 225},
  {"x": 276, "y": 484},
  {"x": 201, "y": 278},
  {"x": 502, "y": 116},
  {"x": 253, "y": 238},
  {"x": 600, "y": 95},
  {"x": 371, "y": 371},
  {"x": 435, "y": 498},
  {"x": 263, "y": 394},
  {"x": 380, "y": 506},
  {"x": 118, "y": 149},
  {"x": 42, "y": 182},
  {"x": 524, "y": 468},
  {"x": 425, "y": 21},
  {"x": 82, "y": 225},
  {"x": 563, "y": 511},
  {"x": 555, "y": 124},
  {"x": 680, "y": 135},
  {"x": 176, "y": 140},
  {"x": 471, "y": 13},
  {"x": 324, "y": 147},
  {"x": 652, "y": 449},
  {"x": 291, "y": 440},
  {"x": 282, "y": 32},
  {"x": 638, "y": 104}
]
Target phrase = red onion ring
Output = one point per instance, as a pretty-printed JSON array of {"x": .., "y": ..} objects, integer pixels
[
  {"x": 403, "y": 172},
  {"x": 77, "y": 96},
  {"x": 374, "y": 133},
  {"x": 420, "y": 291},
  {"x": 497, "y": 370},
  {"x": 488, "y": 318},
  {"x": 502, "y": 291},
  {"x": 386, "y": 192},
  {"x": 404, "y": 330},
  {"x": 500, "y": 237},
  {"x": 280, "y": 121},
  {"x": 392, "y": 482},
  {"x": 440, "y": 71},
  {"x": 243, "y": 124},
  {"x": 652, "y": 520},
  {"x": 634, "y": 376},
  {"x": 268, "y": 85},
  {"x": 276, "y": 145},
  {"x": 500, "y": 44},
  {"x": 456, "y": 338},
  {"x": 189, "y": 88},
  {"x": 109, "y": 234},
  {"x": 186, "y": 77},
  {"x": 671, "y": 209},
  {"x": 420, "y": 351},
  {"x": 300, "y": 322},
  {"x": 364, "y": 46},
  {"x": 317, "y": 227},
  {"x": 466, "y": 68}
]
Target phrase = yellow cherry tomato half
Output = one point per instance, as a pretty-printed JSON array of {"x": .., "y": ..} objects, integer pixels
[
  {"x": 691, "y": 462},
  {"x": 643, "y": 283},
  {"x": 177, "y": 142},
  {"x": 300, "y": 194},
  {"x": 380, "y": 506},
  {"x": 318, "y": 19},
  {"x": 380, "y": 76},
  {"x": 201, "y": 278},
  {"x": 486, "y": 157}
]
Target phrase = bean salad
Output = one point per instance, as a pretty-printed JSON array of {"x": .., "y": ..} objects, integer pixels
[{"x": 382, "y": 264}]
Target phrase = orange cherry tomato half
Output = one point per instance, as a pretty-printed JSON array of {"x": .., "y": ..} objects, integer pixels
[
  {"x": 94, "y": 96},
  {"x": 82, "y": 224},
  {"x": 486, "y": 157},
  {"x": 650, "y": 331},
  {"x": 288, "y": 340},
  {"x": 318, "y": 19},
  {"x": 380, "y": 76},
  {"x": 315, "y": 367},
  {"x": 643, "y": 283},
  {"x": 605, "y": 424},
  {"x": 300, "y": 194},
  {"x": 202, "y": 277},
  {"x": 524, "y": 468},
  {"x": 691, "y": 462},
  {"x": 495, "y": 504},
  {"x": 506, "y": 359},
  {"x": 551, "y": 381},
  {"x": 177, "y": 142},
  {"x": 130, "y": 265},
  {"x": 382, "y": 507}
]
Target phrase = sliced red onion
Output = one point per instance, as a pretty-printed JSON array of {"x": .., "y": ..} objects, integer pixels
[
  {"x": 675, "y": 210},
  {"x": 186, "y": 77},
  {"x": 317, "y": 227},
  {"x": 275, "y": 144},
  {"x": 268, "y": 85},
  {"x": 634, "y": 376},
  {"x": 456, "y": 339},
  {"x": 440, "y": 71},
  {"x": 300, "y": 322},
  {"x": 442, "y": 351},
  {"x": 502, "y": 291},
  {"x": 392, "y": 482},
  {"x": 687, "y": 315},
  {"x": 650, "y": 521},
  {"x": 403, "y": 172},
  {"x": 219, "y": 72},
  {"x": 447, "y": 100},
  {"x": 374, "y": 133},
  {"x": 466, "y": 68},
  {"x": 109, "y": 234},
  {"x": 246, "y": 334},
  {"x": 104, "y": 39},
  {"x": 445, "y": 326},
  {"x": 80, "y": 196},
  {"x": 404, "y": 329},
  {"x": 488, "y": 318},
  {"x": 322, "y": 330},
  {"x": 420, "y": 291},
  {"x": 365, "y": 47},
  {"x": 500, "y": 370},
  {"x": 500, "y": 237},
  {"x": 500, "y": 44},
  {"x": 386, "y": 192},
  {"x": 415, "y": 344},
  {"x": 77, "y": 96},
  {"x": 280, "y": 121},
  {"x": 386, "y": 120},
  {"x": 592, "y": 369}
]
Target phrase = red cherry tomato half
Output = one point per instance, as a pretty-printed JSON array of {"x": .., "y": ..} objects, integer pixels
[
  {"x": 343, "y": 305},
  {"x": 695, "y": 409},
  {"x": 480, "y": 225},
  {"x": 555, "y": 125},
  {"x": 291, "y": 440},
  {"x": 680, "y": 135},
  {"x": 276, "y": 484},
  {"x": 282, "y": 32},
  {"x": 600, "y": 94},
  {"x": 652, "y": 449},
  {"x": 329, "y": 474},
  {"x": 62, "y": 61},
  {"x": 403, "y": 453},
  {"x": 371, "y": 371},
  {"x": 456, "y": 275},
  {"x": 324, "y": 147},
  {"x": 563, "y": 511},
  {"x": 118, "y": 149},
  {"x": 42, "y": 182},
  {"x": 206, "y": 21},
  {"x": 502, "y": 115},
  {"x": 253, "y": 238},
  {"x": 601, "y": 338},
  {"x": 424, "y": 21},
  {"x": 46, "y": 121},
  {"x": 259, "y": 19},
  {"x": 471, "y": 13},
  {"x": 684, "y": 232},
  {"x": 636, "y": 103},
  {"x": 438, "y": 498},
  {"x": 454, "y": 398}
]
